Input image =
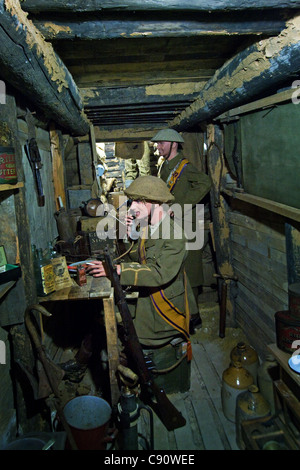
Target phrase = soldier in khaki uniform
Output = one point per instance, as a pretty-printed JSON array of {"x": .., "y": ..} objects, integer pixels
[
  {"x": 157, "y": 271},
  {"x": 188, "y": 185},
  {"x": 157, "y": 266},
  {"x": 137, "y": 167}
]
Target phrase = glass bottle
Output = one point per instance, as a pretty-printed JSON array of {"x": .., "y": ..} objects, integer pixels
[
  {"x": 44, "y": 275},
  {"x": 51, "y": 251}
]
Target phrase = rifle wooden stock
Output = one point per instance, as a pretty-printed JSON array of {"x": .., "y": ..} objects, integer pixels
[{"x": 165, "y": 410}]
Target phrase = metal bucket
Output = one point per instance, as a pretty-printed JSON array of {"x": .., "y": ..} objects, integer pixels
[
  {"x": 88, "y": 418},
  {"x": 26, "y": 443}
]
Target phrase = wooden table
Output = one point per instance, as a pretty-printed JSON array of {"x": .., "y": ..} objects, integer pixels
[{"x": 97, "y": 288}]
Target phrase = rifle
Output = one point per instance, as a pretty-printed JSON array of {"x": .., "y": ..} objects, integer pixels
[{"x": 165, "y": 410}]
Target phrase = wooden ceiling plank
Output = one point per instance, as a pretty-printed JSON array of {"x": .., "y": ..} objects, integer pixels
[
  {"x": 134, "y": 96},
  {"x": 112, "y": 29},
  {"x": 204, "y": 46},
  {"x": 144, "y": 67},
  {"x": 129, "y": 134},
  {"x": 154, "y": 5},
  {"x": 138, "y": 79}
]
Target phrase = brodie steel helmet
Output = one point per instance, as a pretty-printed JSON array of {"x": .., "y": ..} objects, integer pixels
[
  {"x": 167, "y": 135},
  {"x": 149, "y": 188}
]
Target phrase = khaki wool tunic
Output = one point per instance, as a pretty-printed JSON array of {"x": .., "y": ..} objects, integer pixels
[
  {"x": 190, "y": 188},
  {"x": 165, "y": 257}
]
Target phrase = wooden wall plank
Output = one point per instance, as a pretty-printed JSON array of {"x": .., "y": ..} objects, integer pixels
[
  {"x": 259, "y": 336},
  {"x": 259, "y": 260},
  {"x": 15, "y": 232},
  {"x": 271, "y": 269}
]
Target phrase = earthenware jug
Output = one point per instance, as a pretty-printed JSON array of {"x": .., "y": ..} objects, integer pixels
[
  {"x": 235, "y": 379},
  {"x": 249, "y": 405},
  {"x": 248, "y": 357}
]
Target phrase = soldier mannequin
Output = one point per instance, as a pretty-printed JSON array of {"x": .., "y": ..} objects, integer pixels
[
  {"x": 188, "y": 185},
  {"x": 156, "y": 267}
]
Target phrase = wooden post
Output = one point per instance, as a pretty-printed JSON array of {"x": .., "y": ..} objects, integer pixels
[
  {"x": 292, "y": 236},
  {"x": 112, "y": 346},
  {"x": 57, "y": 167},
  {"x": 219, "y": 208},
  {"x": 85, "y": 164}
]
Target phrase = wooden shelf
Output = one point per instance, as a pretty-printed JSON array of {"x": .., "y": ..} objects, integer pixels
[
  {"x": 282, "y": 358},
  {"x": 281, "y": 209},
  {"x": 268, "y": 102},
  {"x": 11, "y": 187}
]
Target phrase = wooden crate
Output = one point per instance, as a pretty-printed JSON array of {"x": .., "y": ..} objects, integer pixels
[{"x": 257, "y": 433}]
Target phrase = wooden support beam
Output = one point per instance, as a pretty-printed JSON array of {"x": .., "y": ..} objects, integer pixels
[
  {"x": 112, "y": 346},
  {"x": 253, "y": 71},
  {"x": 140, "y": 95},
  {"x": 155, "y": 5},
  {"x": 129, "y": 135},
  {"x": 282, "y": 209},
  {"x": 85, "y": 162},
  {"x": 219, "y": 208},
  {"x": 30, "y": 65},
  {"x": 57, "y": 167},
  {"x": 152, "y": 28},
  {"x": 292, "y": 236}
]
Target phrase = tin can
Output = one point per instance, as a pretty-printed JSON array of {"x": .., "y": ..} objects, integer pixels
[
  {"x": 294, "y": 300},
  {"x": 287, "y": 330},
  {"x": 8, "y": 170},
  {"x": 81, "y": 276}
]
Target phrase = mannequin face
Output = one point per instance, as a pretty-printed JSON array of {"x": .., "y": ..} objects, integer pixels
[
  {"x": 167, "y": 149},
  {"x": 140, "y": 209},
  {"x": 144, "y": 210}
]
